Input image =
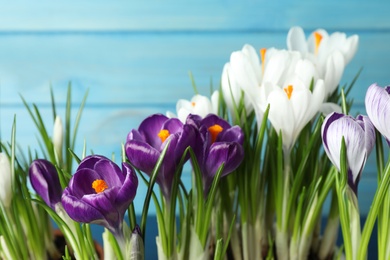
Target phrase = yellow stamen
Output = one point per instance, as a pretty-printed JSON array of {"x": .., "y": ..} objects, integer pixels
[
  {"x": 99, "y": 185},
  {"x": 214, "y": 131},
  {"x": 289, "y": 90},
  {"x": 317, "y": 41},
  {"x": 193, "y": 104},
  {"x": 163, "y": 134},
  {"x": 262, "y": 54}
]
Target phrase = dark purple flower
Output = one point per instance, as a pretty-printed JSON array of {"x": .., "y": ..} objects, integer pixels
[
  {"x": 100, "y": 192},
  {"x": 44, "y": 179},
  {"x": 359, "y": 136},
  {"x": 218, "y": 143},
  {"x": 144, "y": 147},
  {"x": 378, "y": 108}
]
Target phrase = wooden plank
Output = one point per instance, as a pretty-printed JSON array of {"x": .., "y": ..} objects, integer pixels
[
  {"x": 147, "y": 69},
  {"x": 46, "y": 15}
]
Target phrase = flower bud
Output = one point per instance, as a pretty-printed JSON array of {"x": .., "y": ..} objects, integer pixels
[
  {"x": 58, "y": 137},
  {"x": 5, "y": 180}
]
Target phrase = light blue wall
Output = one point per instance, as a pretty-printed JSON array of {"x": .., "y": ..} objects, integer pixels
[{"x": 134, "y": 57}]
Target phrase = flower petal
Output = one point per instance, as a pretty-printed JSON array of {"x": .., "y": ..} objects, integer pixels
[{"x": 44, "y": 179}]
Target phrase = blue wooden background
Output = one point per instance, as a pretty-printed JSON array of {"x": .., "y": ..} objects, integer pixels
[{"x": 135, "y": 56}]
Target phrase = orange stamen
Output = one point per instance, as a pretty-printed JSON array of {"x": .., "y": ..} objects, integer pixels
[
  {"x": 99, "y": 185},
  {"x": 214, "y": 131},
  {"x": 163, "y": 134},
  {"x": 317, "y": 41},
  {"x": 262, "y": 54},
  {"x": 289, "y": 90},
  {"x": 193, "y": 104}
]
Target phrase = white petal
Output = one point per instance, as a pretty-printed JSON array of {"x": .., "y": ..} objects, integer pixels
[
  {"x": 327, "y": 108},
  {"x": 296, "y": 40},
  {"x": 215, "y": 101},
  {"x": 5, "y": 180},
  {"x": 334, "y": 71},
  {"x": 352, "y": 42}
]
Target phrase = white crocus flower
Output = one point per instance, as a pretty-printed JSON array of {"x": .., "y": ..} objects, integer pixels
[
  {"x": 322, "y": 44},
  {"x": 58, "y": 138},
  {"x": 6, "y": 179},
  {"x": 198, "y": 105},
  {"x": 293, "y": 105},
  {"x": 331, "y": 53},
  {"x": 243, "y": 72}
]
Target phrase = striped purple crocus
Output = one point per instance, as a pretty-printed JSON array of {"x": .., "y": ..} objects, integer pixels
[
  {"x": 359, "y": 136},
  {"x": 377, "y": 103}
]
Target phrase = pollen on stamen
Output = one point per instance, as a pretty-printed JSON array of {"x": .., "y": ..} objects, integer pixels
[
  {"x": 214, "y": 131},
  {"x": 262, "y": 55},
  {"x": 163, "y": 134},
  {"x": 99, "y": 185},
  {"x": 317, "y": 41},
  {"x": 193, "y": 104},
  {"x": 289, "y": 90}
]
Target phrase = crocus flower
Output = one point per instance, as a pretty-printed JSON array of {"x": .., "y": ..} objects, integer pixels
[
  {"x": 359, "y": 136},
  {"x": 144, "y": 147},
  {"x": 58, "y": 136},
  {"x": 198, "y": 105},
  {"x": 100, "y": 192},
  {"x": 378, "y": 108},
  {"x": 219, "y": 143},
  {"x": 44, "y": 179},
  {"x": 293, "y": 104},
  {"x": 5, "y": 180},
  {"x": 331, "y": 53},
  {"x": 243, "y": 71}
]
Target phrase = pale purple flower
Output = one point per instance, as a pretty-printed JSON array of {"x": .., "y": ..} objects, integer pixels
[
  {"x": 359, "y": 136},
  {"x": 378, "y": 108},
  {"x": 45, "y": 181},
  {"x": 100, "y": 192},
  {"x": 145, "y": 145}
]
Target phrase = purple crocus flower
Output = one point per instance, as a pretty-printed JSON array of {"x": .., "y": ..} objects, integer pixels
[
  {"x": 378, "y": 109},
  {"x": 144, "y": 147},
  {"x": 359, "y": 136},
  {"x": 44, "y": 179},
  {"x": 219, "y": 142},
  {"x": 100, "y": 192}
]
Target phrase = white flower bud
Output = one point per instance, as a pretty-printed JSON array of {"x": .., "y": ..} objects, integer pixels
[
  {"x": 5, "y": 180},
  {"x": 58, "y": 136}
]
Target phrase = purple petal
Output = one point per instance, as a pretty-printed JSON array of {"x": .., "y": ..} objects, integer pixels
[
  {"x": 142, "y": 155},
  {"x": 89, "y": 161},
  {"x": 44, "y": 179},
  {"x": 81, "y": 183},
  {"x": 377, "y": 103},
  {"x": 150, "y": 127},
  {"x": 104, "y": 166},
  {"x": 325, "y": 126},
  {"x": 233, "y": 134},
  {"x": 135, "y": 135},
  {"x": 128, "y": 190},
  {"x": 173, "y": 125},
  {"x": 231, "y": 154},
  {"x": 104, "y": 203},
  {"x": 79, "y": 210},
  {"x": 213, "y": 119}
]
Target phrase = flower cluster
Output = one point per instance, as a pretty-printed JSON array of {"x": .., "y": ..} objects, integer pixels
[{"x": 264, "y": 152}]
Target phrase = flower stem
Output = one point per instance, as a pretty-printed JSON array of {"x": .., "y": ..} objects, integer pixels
[{"x": 379, "y": 196}]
